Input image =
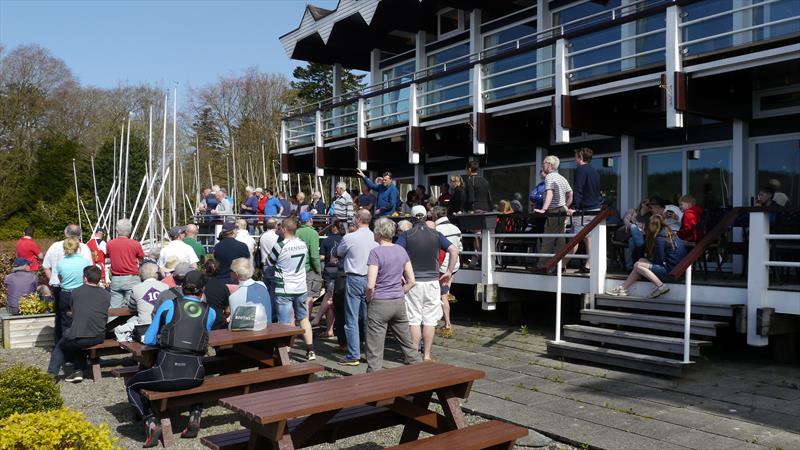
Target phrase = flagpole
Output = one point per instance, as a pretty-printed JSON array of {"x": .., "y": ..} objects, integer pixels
[{"x": 127, "y": 161}]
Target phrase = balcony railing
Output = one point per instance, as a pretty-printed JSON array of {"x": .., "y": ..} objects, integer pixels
[{"x": 632, "y": 37}]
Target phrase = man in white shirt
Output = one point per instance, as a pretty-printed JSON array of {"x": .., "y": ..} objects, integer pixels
[
  {"x": 453, "y": 234},
  {"x": 55, "y": 254},
  {"x": 288, "y": 257},
  {"x": 268, "y": 240},
  {"x": 224, "y": 208},
  {"x": 179, "y": 249},
  {"x": 243, "y": 236}
]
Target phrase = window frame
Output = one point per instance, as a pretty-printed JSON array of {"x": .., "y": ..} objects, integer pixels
[{"x": 758, "y": 113}]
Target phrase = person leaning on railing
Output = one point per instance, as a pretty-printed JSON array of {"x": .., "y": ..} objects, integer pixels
[{"x": 557, "y": 199}]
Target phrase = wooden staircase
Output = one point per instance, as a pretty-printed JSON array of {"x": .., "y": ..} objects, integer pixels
[{"x": 640, "y": 333}]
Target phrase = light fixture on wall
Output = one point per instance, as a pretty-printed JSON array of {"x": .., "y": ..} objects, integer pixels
[
  {"x": 608, "y": 161},
  {"x": 694, "y": 154}
]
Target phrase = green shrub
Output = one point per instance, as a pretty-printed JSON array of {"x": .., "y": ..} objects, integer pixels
[
  {"x": 26, "y": 390},
  {"x": 54, "y": 430}
]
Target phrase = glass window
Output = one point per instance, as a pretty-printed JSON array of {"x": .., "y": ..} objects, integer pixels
[
  {"x": 707, "y": 28},
  {"x": 399, "y": 72},
  {"x": 608, "y": 169},
  {"x": 509, "y": 34},
  {"x": 508, "y": 181},
  {"x": 778, "y": 166},
  {"x": 709, "y": 176},
  {"x": 662, "y": 176},
  {"x": 441, "y": 87},
  {"x": 448, "y": 21}
]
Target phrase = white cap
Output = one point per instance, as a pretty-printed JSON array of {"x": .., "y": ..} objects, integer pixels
[
  {"x": 675, "y": 210},
  {"x": 419, "y": 210}
]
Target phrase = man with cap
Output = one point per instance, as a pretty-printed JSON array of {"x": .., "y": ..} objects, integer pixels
[
  {"x": 176, "y": 247},
  {"x": 19, "y": 283},
  {"x": 167, "y": 269},
  {"x": 423, "y": 301},
  {"x": 309, "y": 235},
  {"x": 180, "y": 328},
  {"x": 228, "y": 249},
  {"x": 176, "y": 289}
]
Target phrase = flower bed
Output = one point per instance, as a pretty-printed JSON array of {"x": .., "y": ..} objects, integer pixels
[{"x": 35, "y": 330}]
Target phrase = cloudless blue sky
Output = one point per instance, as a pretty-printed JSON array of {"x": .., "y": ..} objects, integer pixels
[{"x": 105, "y": 42}]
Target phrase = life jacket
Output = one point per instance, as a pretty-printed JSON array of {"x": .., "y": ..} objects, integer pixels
[{"x": 186, "y": 333}]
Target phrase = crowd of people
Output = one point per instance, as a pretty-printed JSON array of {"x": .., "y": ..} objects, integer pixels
[{"x": 369, "y": 270}]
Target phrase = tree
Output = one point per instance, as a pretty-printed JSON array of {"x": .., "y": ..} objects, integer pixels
[{"x": 314, "y": 82}]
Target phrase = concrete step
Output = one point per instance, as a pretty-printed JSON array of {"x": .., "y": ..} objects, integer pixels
[
  {"x": 662, "y": 305},
  {"x": 642, "y": 341},
  {"x": 650, "y": 322},
  {"x": 619, "y": 358}
]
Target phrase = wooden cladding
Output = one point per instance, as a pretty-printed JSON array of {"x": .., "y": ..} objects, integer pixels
[
  {"x": 362, "y": 144},
  {"x": 285, "y": 163},
  {"x": 681, "y": 92},
  {"x": 482, "y": 131},
  {"x": 319, "y": 157},
  {"x": 416, "y": 139}
]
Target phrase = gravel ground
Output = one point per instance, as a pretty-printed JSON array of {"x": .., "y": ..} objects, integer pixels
[{"x": 105, "y": 402}]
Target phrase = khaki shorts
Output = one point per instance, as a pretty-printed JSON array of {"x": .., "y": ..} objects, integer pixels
[
  {"x": 424, "y": 304},
  {"x": 581, "y": 221},
  {"x": 313, "y": 284}
]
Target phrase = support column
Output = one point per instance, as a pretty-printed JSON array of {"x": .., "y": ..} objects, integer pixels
[
  {"x": 414, "y": 131},
  {"x": 757, "y": 276},
  {"x": 597, "y": 277},
  {"x": 628, "y": 193},
  {"x": 319, "y": 147},
  {"x": 544, "y": 21},
  {"x": 284, "y": 154},
  {"x": 561, "y": 94},
  {"x": 338, "y": 80},
  {"x": 742, "y": 170},
  {"x": 489, "y": 297},
  {"x": 375, "y": 66},
  {"x": 361, "y": 141},
  {"x": 478, "y": 101},
  {"x": 628, "y": 47},
  {"x": 674, "y": 68},
  {"x": 743, "y": 19}
]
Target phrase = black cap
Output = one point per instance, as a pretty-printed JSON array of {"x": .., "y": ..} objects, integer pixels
[
  {"x": 228, "y": 226},
  {"x": 195, "y": 281},
  {"x": 176, "y": 231}
]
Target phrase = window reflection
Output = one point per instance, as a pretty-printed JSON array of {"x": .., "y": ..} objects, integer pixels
[
  {"x": 441, "y": 86},
  {"x": 778, "y": 166},
  {"x": 608, "y": 169},
  {"x": 710, "y": 176},
  {"x": 507, "y": 181},
  {"x": 662, "y": 176}
]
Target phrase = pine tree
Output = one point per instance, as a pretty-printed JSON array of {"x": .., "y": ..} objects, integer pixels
[{"x": 314, "y": 82}]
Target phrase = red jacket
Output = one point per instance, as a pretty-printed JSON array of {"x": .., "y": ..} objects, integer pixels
[{"x": 689, "y": 231}]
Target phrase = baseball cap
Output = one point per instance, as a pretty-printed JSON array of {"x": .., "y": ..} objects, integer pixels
[
  {"x": 228, "y": 226},
  {"x": 100, "y": 230},
  {"x": 194, "y": 281},
  {"x": 259, "y": 190},
  {"x": 305, "y": 216},
  {"x": 19, "y": 262},
  {"x": 176, "y": 231},
  {"x": 419, "y": 210},
  {"x": 182, "y": 269}
]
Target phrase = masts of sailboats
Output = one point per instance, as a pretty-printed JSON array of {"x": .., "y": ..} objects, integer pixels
[
  {"x": 77, "y": 196},
  {"x": 174, "y": 157},
  {"x": 235, "y": 191},
  {"x": 96, "y": 198},
  {"x": 125, "y": 173}
]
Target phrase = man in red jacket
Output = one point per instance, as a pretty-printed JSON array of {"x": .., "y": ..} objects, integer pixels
[{"x": 691, "y": 218}]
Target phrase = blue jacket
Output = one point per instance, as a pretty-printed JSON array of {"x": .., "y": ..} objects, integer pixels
[
  {"x": 537, "y": 195},
  {"x": 387, "y": 197},
  {"x": 664, "y": 254}
]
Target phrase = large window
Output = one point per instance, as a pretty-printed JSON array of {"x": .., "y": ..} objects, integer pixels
[
  {"x": 704, "y": 173},
  {"x": 778, "y": 166},
  {"x": 505, "y": 182},
  {"x": 450, "y": 91},
  {"x": 506, "y": 77}
]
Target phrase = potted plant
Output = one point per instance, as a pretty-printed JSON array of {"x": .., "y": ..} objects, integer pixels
[{"x": 34, "y": 326}]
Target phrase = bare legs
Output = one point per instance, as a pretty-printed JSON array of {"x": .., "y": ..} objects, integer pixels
[
  {"x": 641, "y": 268},
  {"x": 426, "y": 334}
]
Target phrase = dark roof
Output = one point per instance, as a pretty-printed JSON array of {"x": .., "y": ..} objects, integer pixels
[{"x": 317, "y": 12}]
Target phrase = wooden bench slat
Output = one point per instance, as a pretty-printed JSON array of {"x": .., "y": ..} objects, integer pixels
[
  {"x": 321, "y": 396},
  {"x": 476, "y": 437},
  {"x": 239, "y": 379}
]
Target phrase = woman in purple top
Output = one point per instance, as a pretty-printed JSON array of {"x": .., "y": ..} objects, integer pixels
[{"x": 389, "y": 277}]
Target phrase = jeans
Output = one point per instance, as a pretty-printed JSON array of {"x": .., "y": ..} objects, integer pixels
[
  {"x": 339, "y": 299},
  {"x": 71, "y": 351},
  {"x": 636, "y": 241},
  {"x": 121, "y": 288},
  {"x": 381, "y": 315},
  {"x": 355, "y": 314},
  {"x": 62, "y": 310},
  {"x": 291, "y": 304}
]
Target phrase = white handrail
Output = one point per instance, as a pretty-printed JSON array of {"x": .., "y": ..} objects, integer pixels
[
  {"x": 788, "y": 264},
  {"x": 782, "y": 237},
  {"x": 739, "y": 30},
  {"x": 610, "y": 61},
  {"x": 444, "y": 102},
  {"x": 518, "y": 68},
  {"x": 444, "y": 88},
  {"x": 615, "y": 42},
  {"x": 558, "y": 300},
  {"x": 397, "y": 113},
  {"x": 687, "y": 316},
  {"x": 518, "y": 83},
  {"x": 725, "y": 13}
]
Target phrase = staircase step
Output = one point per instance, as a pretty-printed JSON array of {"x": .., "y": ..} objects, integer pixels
[
  {"x": 646, "y": 321},
  {"x": 643, "y": 341},
  {"x": 663, "y": 305},
  {"x": 619, "y": 358}
]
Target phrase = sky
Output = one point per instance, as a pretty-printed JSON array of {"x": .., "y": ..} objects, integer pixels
[{"x": 107, "y": 42}]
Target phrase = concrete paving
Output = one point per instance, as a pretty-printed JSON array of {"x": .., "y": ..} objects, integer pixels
[{"x": 734, "y": 400}]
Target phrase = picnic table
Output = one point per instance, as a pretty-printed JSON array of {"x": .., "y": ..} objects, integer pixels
[
  {"x": 324, "y": 411},
  {"x": 269, "y": 347}
]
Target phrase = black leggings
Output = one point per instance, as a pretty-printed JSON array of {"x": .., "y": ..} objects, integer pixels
[{"x": 172, "y": 372}]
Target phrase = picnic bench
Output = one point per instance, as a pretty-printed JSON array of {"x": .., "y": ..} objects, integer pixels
[
  {"x": 494, "y": 434},
  {"x": 108, "y": 347},
  {"x": 217, "y": 364},
  {"x": 324, "y": 411}
]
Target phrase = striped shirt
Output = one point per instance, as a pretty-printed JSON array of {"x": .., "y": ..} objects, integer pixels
[
  {"x": 289, "y": 259},
  {"x": 343, "y": 206},
  {"x": 560, "y": 186}
]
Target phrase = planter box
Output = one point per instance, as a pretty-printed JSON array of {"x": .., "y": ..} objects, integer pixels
[{"x": 36, "y": 330}]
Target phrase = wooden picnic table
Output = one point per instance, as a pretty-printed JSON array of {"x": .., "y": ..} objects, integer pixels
[
  {"x": 269, "y": 346},
  {"x": 324, "y": 411},
  {"x": 119, "y": 312}
]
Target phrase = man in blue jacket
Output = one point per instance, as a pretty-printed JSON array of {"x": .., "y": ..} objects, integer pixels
[{"x": 387, "y": 194}]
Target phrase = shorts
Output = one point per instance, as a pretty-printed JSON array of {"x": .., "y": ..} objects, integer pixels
[
  {"x": 424, "y": 304},
  {"x": 291, "y": 303},
  {"x": 660, "y": 271},
  {"x": 329, "y": 285},
  {"x": 579, "y": 222},
  {"x": 313, "y": 284},
  {"x": 445, "y": 287}
]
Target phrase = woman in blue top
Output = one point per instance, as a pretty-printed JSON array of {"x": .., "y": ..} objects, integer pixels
[
  {"x": 70, "y": 274},
  {"x": 664, "y": 249},
  {"x": 180, "y": 328}
]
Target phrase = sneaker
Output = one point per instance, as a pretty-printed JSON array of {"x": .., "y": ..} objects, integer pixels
[
  {"x": 618, "y": 291},
  {"x": 152, "y": 433},
  {"x": 311, "y": 356},
  {"x": 75, "y": 377},
  {"x": 349, "y": 362},
  {"x": 659, "y": 291},
  {"x": 193, "y": 427}
]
